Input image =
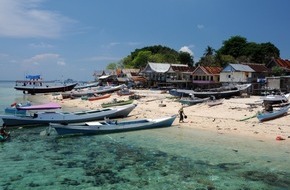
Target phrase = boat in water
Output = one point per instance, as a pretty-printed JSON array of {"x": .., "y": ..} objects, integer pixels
[
  {"x": 46, "y": 117},
  {"x": 109, "y": 126},
  {"x": 35, "y": 85}
]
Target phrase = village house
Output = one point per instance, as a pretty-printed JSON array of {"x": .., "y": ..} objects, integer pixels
[
  {"x": 258, "y": 79},
  {"x": 236, "y": 73},
  {"x": 206, "y": 77},
  {"x": 166, "y": 75}
]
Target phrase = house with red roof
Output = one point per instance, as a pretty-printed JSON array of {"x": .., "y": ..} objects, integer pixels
[{"x": 206, "y": 77}]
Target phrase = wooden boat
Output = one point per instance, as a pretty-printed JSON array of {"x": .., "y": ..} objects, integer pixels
[
  {"x": 107, "y": 126},
  {"x": 46, "y": 106},
  {"x": 222, "y": 92},
  {"x": 88, "y": 85},
  {"x": 66, "y": 117},
  {"x": 192, "y": 100},
  {"x": 215, "y": 102},
  {"x": 92, "y": 91},
  {"x": 275, "y": 99},
  {"x": 38, "y": 87},
  {"x": 117, "y": 103},
  {"x": 125, "y": 92},
  {"x": 265, "y": 116},
  {"x": 98, "y": 97},
  {"x": 13, "y": 108}
]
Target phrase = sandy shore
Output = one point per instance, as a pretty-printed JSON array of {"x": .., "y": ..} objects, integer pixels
[{"x": 223, "y": 119}]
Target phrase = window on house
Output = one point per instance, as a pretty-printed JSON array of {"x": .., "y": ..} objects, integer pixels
[{"x": 229, "y": 76}]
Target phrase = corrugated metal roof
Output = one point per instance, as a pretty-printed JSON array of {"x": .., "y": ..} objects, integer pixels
[
  {"x": 159, "y": 67},
  {"x": 240, "y": 67}
]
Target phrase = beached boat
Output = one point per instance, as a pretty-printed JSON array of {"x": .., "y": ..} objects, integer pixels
[
  {"x": 265, "y": 116},
  {"x": 276, "y": 98},
  {"x": 104, "y": 127},
  {"x": 88, "y": 85},
  {"x": 98, "y": 97},
  {"x": 46, "y": 106},
  {"x": 117, "y": 103},
  {"x": 92, "y": 91},
  {"x": 66, "y": 117},
  {"x": 13, "y": 108},
  {"x": 125, "y": 92},
  {"x": 214, "y": 102},
  {"x": 192, "y": 100},
  {"x": 222, "y": 92}
]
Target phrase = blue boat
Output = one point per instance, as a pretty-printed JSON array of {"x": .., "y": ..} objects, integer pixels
[
  {"x": 108, "y": 126},
  {"x": 265, "y": 116}
]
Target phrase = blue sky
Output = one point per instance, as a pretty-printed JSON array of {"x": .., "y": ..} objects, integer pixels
[{"x": 62, "y": 39}]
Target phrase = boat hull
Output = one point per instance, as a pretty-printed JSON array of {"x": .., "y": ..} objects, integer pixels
[
  {"x": 45, "y": 89},
  {"x": 123, "y": 126},
  {"x": 272, "y": 115},
  {"x": 44, "y": 118}
]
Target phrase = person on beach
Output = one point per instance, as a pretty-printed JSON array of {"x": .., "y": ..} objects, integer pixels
[
  {"x": 3, "y": 131},
  {"x": 181, "y": 115}
]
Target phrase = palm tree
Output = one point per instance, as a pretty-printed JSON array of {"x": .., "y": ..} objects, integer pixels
[{"x": 209, "y": 51}]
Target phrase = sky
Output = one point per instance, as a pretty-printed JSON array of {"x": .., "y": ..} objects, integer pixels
[{"x": 61, "y": 39}]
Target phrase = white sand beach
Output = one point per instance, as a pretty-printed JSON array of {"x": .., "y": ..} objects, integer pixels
[{"x": 222, "y": 119}]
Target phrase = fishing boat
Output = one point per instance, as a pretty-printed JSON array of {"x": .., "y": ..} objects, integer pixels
[
  {"x": 222, "y": 92},
  {"x": 46, "y": 106},
  {"x": 13, "y": 108},
  {"x": 275, "y": 98},
  {"x": 34, "y": 85},
  {"x": 109, "y": 126},
  {"x": 88, "y": 85},
  {"x": 265, "y": 116},
  {"x": 125, "y": 92},
  {"x": 192, "y": 100},
  {"x": 214, "y": 102},
  {"x": 98, "y": 97},
  {"x": 91, "y": 91},
  {"x": 116, "y": 102},
  {"x": 46, "y": 117}
]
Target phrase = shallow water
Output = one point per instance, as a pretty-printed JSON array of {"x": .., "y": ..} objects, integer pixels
[{"x": 168, "y": 158}]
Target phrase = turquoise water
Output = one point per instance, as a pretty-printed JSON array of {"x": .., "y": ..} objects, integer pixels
[{"x": 169, "y": 158}]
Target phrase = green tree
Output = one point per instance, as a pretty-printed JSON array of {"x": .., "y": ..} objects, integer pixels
[
  {"x": 112, "y": 66},
  {"x": 233, "y": 46},
  {"x": 209, "y": 51},
  {"x": 185, "y": 58},
  {"x": 278, "y": 71}
]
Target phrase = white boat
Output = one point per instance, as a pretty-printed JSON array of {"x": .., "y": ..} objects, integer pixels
[
  {"x": 215, "y": 102},
  {"x": 192, "y": 100},
  {"x": 43, "y": 118},
  {"x": 276, "y": 98},
  {"x": 104, "y": 127}
]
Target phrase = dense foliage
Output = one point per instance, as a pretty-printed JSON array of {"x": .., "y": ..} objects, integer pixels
[
  {"x": 238, "y": 49},
  {"x": 234, "y": 50}
]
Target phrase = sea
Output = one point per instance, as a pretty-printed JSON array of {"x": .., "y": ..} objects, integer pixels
[{"x": 177, "y": 158}]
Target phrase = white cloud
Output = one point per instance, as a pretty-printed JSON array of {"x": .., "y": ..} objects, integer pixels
[
  {"x": 61, "y": 63},
  {"x": 40, "y": 45},
  {"x": 186, "y": 49},
  {"x": 200, "y": 26},
  {"x": 43, "y": 58},
  {"x": 19, "y": 18}
]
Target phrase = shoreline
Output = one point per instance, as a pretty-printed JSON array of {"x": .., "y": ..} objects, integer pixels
[{"x": 223, "y": 119}]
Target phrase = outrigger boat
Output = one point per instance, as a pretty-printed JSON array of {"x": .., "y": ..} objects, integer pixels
[
  {"x": 108, "y": 126},
  {"x": 265, "y": 116},
  {"x": 44, "y": 118}
]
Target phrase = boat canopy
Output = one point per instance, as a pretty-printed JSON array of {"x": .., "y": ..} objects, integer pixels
[{"x": 33, "y": 77}]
